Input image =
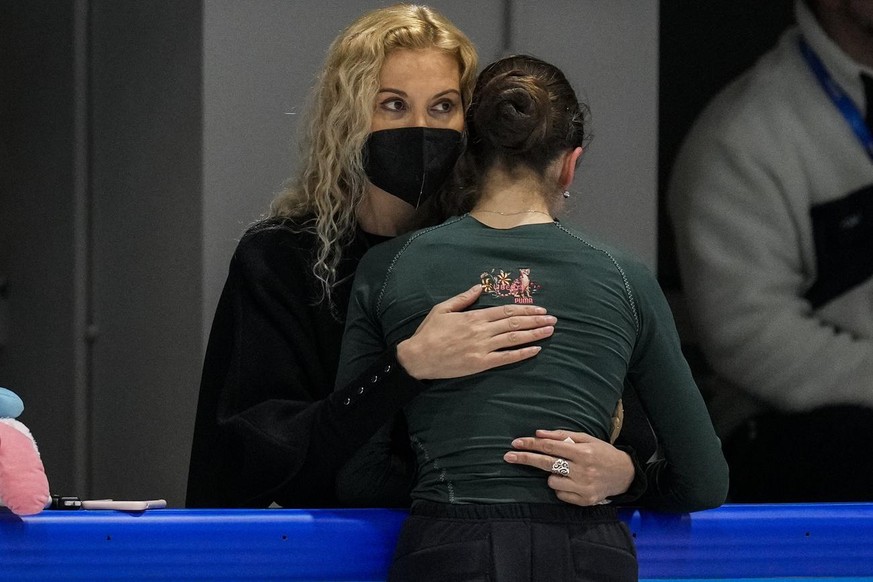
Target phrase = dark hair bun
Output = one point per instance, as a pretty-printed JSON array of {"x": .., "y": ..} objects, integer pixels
[
  {"x": 513, "y": 112},
  {"x": 523, "y": 113}
]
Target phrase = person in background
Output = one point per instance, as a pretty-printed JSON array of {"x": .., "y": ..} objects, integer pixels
[
  {"x": 269, "y": 428},
  {"x": 476, "y": 513},
  {"x": 771, "y": 198}
]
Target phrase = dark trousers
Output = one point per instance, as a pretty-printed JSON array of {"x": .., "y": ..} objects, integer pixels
[
  {"x": 822, "y": 455},
  {"x": 513, "y": 543}
]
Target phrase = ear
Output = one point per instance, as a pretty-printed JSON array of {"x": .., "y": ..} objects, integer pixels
[{"x": 568, "y": 168}]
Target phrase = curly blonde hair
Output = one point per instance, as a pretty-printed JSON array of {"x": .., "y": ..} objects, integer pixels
[{"x": 331, "y": 181}]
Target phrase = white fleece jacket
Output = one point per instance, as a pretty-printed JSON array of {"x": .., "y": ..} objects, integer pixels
[{"x": 770, "y": 147}]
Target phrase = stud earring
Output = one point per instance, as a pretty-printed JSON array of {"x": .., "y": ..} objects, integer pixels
[{"x": 566, "y": 193}]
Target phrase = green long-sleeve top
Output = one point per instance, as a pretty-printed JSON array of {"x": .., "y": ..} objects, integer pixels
[{"x": 614, "y": 327}]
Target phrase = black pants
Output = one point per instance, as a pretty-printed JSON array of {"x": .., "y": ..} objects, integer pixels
[
  {"x": 513, "y": 543},
  {"x": 822, "y": 455}
]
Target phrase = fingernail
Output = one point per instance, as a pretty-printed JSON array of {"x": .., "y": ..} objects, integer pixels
[
  {"x": 539, "y": 310},
  {"x": 517, "y": 443},
  {"x": 550, "y": 320},
  {"x": 510, "y": 457}
]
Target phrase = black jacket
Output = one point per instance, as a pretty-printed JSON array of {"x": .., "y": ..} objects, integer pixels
[{"x": 269, "y": 426}]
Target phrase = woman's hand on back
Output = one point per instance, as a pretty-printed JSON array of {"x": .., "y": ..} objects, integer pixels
[
  {"x": 451, "y": 342},
  {"x": 597, "y": 469}
]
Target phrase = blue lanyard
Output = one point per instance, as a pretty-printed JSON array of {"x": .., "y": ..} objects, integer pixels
[{"x": 836, "y": 93}]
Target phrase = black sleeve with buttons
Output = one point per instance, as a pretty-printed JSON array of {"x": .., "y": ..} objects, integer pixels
[{"x": 270, "y": 429}]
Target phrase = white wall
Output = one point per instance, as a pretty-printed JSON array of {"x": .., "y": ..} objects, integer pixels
[{"x": 609, "y": 50}]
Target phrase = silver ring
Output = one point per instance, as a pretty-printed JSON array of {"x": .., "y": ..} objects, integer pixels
[{"x": 561, "y": 467}]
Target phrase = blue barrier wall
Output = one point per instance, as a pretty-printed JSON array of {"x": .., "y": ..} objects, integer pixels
[{"x": 735, "y": 541}]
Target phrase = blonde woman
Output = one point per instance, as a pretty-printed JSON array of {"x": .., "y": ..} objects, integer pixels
[{"x": 385, "y": 131}]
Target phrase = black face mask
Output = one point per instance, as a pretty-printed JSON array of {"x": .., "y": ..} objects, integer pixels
[{"x": 411, "y": 163}]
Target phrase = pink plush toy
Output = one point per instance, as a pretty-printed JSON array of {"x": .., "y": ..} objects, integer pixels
[{"x": 24, "y": 488}]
